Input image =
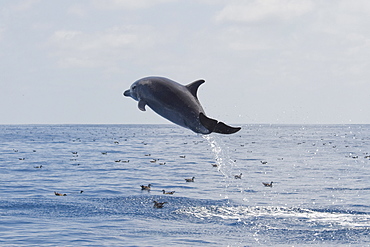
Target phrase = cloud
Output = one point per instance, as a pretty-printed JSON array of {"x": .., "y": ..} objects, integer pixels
[
  {"x": 2, "y": 31},
  {"x": 358, "y": 6},
  {"x": 263, "y": 10},
  {"x": 127, "y": 4},
  {"x": 79, "y": 10},
  {"x": 24, "y": 5},
  {"x": 100, "y": 48}
]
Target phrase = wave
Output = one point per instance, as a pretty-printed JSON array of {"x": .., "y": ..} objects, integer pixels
[
  {"x": 75, "y": 206},
  {"x": 342, "y": 189},
  {"x": 280, "y": 214},
  {"x": 259, "y": 224}
]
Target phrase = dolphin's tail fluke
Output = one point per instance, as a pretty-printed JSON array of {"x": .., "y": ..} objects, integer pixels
[{"x": 215, "y": 126}]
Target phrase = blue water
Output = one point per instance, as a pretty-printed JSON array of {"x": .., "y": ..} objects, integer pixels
[{"x": 320, "y": 195}]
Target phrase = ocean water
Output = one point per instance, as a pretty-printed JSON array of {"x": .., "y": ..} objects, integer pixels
[{"x": 320, "y": 194}]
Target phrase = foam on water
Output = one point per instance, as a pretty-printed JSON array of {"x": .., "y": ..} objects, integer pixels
[{"x": 285, "y": 214}]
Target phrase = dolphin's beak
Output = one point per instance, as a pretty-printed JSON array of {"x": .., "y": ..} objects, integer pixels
[{"x": 127, "y": 93}]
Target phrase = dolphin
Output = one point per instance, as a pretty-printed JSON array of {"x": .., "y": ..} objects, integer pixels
[{"x": 177, "y": 103}]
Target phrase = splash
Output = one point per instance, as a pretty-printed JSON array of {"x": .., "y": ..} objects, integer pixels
[
  {"x": 225, "y": 165},
  {"x": 281, "y": 216}
]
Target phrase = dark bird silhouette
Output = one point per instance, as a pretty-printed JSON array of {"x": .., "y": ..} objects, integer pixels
[
  {"x": 59, "y": 194},
  {"x": 267, "y": 184},
  {"x": 144, "y": 187},
  {"x": 158, "y": 204},
  {"x": 189, "y": 179},
  {"x": 168, "y": 193}
]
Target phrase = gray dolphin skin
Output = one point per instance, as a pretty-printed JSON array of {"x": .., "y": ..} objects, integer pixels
[{"x": 177, "y": 103}]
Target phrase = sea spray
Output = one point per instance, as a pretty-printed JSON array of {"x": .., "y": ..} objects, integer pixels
[{"x": 226, "y": 166}]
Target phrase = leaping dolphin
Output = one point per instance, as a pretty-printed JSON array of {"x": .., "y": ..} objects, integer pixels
[{"x": 177, "y": 103}]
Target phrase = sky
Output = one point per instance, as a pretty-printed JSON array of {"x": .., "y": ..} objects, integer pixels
[{"x": 264, "y": 61}]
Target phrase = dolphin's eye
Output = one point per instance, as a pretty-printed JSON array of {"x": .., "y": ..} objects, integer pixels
[{"x": 134, "y": 87}]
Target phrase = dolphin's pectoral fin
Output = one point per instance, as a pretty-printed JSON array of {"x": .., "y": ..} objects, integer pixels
[
  {"x": 193, "y": 87},
  {"x": 215, "y": 126},
  {"x": 142, "y": 104}
]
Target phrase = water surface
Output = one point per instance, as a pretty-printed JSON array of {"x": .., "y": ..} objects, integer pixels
[{"x": 320, "y": 195}]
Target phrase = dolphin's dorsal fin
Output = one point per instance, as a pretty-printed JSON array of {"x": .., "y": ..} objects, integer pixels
[{"x": 193, "y": 87}]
